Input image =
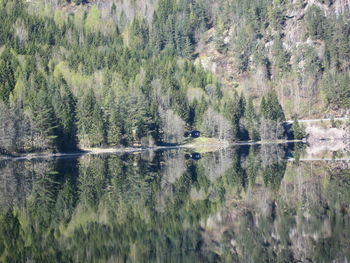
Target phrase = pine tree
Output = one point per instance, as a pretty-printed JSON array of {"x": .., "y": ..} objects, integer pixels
[
  {"x": 298, "y": 129},
  {"x": 155, "y": 40},
  {"x": 272, "y": 116},
  {"x": 188, "y": 48},
  {"x": 91, "y": 129},
  {"x": 44, "y": 119},
  {"x": 263, "y": 107},
  {"x": 114, "y": 127},
  {"x": 277, "y": 110},
  {"x": 270, "y": 107},
  {"x": 252, "y": 120},
  {"x": 169, "y": 35},
  {"x": 98, "y": 132},
  {"x": 242, "y": 105},
  {"x": 232, "y": 111},
  {"x": 8, "y": 65},
  {"x": 201, "y": 107},
  {"x": 65, "y": 108},
  {"x": 281, "y": 57}
]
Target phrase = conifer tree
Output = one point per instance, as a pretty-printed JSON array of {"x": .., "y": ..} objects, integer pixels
[
  {"x": 91, "y": 130},
  {"x": 298, "y": 129},
  {"x": 44, "y": 119},
  {"x": 188, "y": 48},
  {"x": 114, "y": 127},
  {"x": 64, "y": 104},
  {"x": 252, "y": 120},
  {"x": 272, "y": 117},
  {"x": 271, "y": 108},
  {"x": 8, "y": 65}
]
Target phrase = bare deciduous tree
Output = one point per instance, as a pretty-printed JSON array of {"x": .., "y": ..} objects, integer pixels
[
  {"x": 172, "y": 125},
  {"x": 270, "y": 129},
  {"x": 17, "y": 134},
  {"x": 21, "y": 30},
  {"x": 216, "y": 125}
]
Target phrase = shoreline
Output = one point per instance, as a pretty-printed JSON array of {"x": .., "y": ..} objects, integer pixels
[{"x": 94, "y": 151}]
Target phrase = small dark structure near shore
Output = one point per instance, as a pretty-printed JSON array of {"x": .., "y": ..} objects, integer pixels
[
  {"x": 193, "y": 134},
  {"x": 193, "y": 156}
]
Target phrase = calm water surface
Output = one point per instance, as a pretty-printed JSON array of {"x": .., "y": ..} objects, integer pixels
[{"x": 269, "y": 203}]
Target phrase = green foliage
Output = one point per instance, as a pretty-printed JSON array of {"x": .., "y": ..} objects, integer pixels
[
  {"x": 273, "y": 174},
  {"x": 252, "y": 120},
  {"x": 8, "y": 67},
  {"x": 64, "y": 104},
  {"x": 338, "y": 44},
  {"x": 92, "y": 22},
  {"x": 337, "y": 89},
  {"x": 316, "y": 22},
  {"x": 90, "y": 121},
  {"x": 75, "y": 81},
  {"x": 114, "y": 132},
  {"x": 233, "y": 110},
  {"x": 110, "y": 205},
  {"x": 242, "y": 49},
  {"x": 281, "y": 57},
  {"x": 270, "y": 108},
  {"x": 44, "y": 118},
  {"x": 298, "y": 129}
]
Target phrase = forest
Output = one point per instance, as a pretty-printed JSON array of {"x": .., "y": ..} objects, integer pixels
[{"x": 100, "y": 77}]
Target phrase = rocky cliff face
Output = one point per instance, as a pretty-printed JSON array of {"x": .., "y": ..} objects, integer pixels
[
  {"x": 341, "y": 7},
  {"x": 304, "y": 56}
]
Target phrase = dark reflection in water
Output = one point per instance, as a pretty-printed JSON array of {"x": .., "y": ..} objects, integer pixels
[{"x": 246, "y": 204}]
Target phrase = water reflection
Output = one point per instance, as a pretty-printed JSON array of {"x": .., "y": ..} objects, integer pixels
[{"x": 243, "y": 204}]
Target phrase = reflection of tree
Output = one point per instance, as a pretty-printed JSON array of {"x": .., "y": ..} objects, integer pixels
[
  {"x": 273, "y": 164},
  {"x": 272, "y": 153},
  {"x": 107, "y": 210},
  {"x": 10, "y": 238},
  {"x": 291, "y": 230},
  {"x": 253, "y": 164},
  {"x": 273, "y": 174},
  {"x": 217, "y": 163},
  {"x": 92, "y": 180},
  {"x": 16, "y": 181}
]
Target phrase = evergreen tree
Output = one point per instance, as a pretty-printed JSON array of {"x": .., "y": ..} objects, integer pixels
[
  {"x": 242, "y": 105},
  {"x": 232, "y": 111},
  {"x": 65, "y": 108},
  {"x": 271, "y": 108},
  {"x": 98, "y": 132},
  {"x": 114, "y": 127},
  {"x": 188, "y": 48},
  {"x": 272, "y": 117},
  {"x": 200, "y": 108},
  {"x": 281, "y": 57},
  {"x": 91, "y": 130},
  {"x": 8, "y": 65},
  {"x": 316, "y": 22},
  {"x": 44, "y": 119},
  {"x": 252, "y": 120},
  {"x": 298, "y": 129}
]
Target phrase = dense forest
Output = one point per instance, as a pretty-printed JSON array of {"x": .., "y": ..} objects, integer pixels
[{"x": 97, "y": 74}]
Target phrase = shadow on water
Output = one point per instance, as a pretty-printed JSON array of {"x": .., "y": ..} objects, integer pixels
[{"x": 238, "y": 204}]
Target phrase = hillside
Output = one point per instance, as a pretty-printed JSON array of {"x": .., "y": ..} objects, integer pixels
[
  {"x": 301, "y": 48},
  {"x": 121, "y": 73}
]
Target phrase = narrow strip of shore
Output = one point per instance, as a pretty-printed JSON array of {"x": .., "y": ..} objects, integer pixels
[{"x": 94, "y": 151}]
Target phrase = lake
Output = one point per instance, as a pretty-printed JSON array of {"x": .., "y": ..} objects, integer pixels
[{"x": 261, "y": 203}]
